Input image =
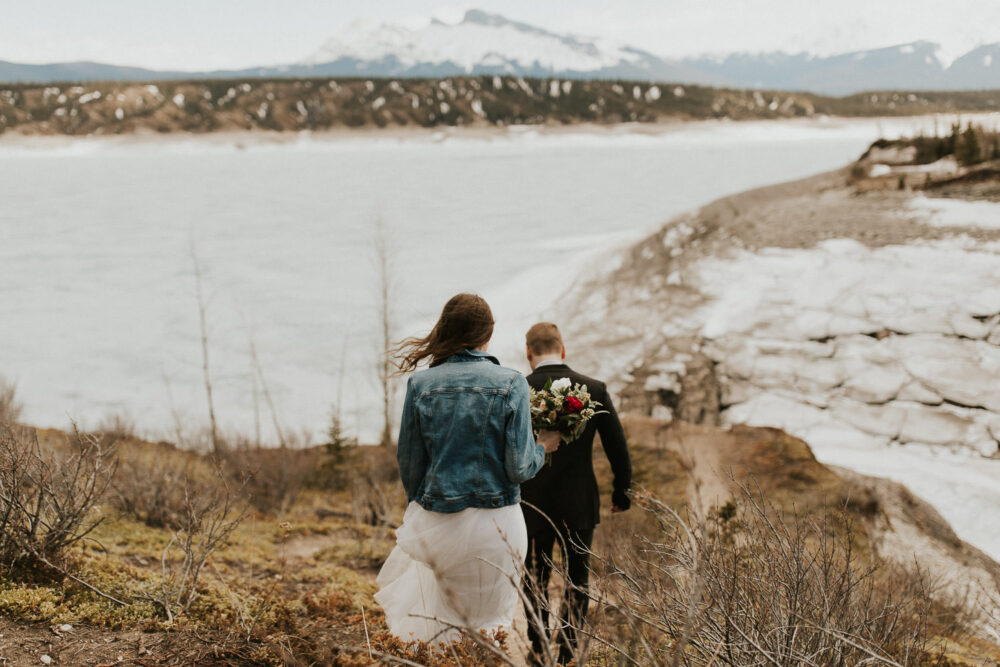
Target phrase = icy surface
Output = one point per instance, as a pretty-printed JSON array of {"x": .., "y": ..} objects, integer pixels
[
  {"x": 941, "y": 212},
  {"x": 98, "y": 290},
  {"x": 906, "y": 383},
  {"x": 100, "y": 316}
]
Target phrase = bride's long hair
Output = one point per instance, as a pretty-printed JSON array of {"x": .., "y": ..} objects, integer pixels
[{"x": 466, "y": 323}]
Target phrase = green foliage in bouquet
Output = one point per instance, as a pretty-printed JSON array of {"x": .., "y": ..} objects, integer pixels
[{"x": 564, "y": 407}]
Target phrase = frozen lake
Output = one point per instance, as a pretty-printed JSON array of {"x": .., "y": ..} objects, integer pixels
[{"x": 97, "y": 294}]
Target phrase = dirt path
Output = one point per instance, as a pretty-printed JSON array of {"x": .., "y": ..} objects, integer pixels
[
  {"x": 63, "y": 644},
  {"x": 304, "y": 547},
  {"x": 706, "y": 454}
]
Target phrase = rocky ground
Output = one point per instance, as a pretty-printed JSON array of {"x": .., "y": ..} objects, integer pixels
[
  {"x": 319, "y": 104},
  {"x": 865, "y": 321}
]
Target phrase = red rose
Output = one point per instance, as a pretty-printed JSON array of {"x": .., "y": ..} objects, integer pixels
[{"x": 573, "y": 404}]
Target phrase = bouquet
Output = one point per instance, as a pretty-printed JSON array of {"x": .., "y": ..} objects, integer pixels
[{"x": 562, "y": 406}]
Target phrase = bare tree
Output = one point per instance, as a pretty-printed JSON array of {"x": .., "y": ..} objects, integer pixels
[
  {"x": 384, "y": 269},
  {"x": 216, "y": 443},
  {"x": 255, "y": 393},
  {"x": 208, "y": 514},
  {"x": 179, "y": 431},
  {"x": 259, "y": 377}
]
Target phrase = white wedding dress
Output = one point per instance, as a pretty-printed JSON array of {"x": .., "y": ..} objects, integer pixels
[{"x": 461, "y": 569}]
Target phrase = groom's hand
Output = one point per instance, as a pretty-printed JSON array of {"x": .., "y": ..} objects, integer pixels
[{"x": 615, "y": 509}]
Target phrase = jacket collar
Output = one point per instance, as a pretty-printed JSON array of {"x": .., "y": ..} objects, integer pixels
[
  {"x": 560, "y": 367},
  {"x": 471, "y": 355}
]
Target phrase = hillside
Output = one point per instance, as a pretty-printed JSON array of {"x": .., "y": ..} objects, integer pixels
[
  {"x": 293, "y": 583},
  {"x": 281, "y": 105}
]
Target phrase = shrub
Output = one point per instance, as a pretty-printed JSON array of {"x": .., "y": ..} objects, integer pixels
[
  {"x": 46, "y": 497},
  {"x": 115, "y": 428},
  {"x": 332, "y": 472},
  {"x": 752, "y": 587},
  {"x": 271, "y": 477},
  {"x": 10, "y": 407},
  {"x": 208, "y": 516},
  {"x": 375, "y": 490},
  {"x": 151, "y": 480}
]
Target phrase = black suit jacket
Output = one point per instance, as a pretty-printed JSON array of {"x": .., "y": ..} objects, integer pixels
[{"x": 566, "y": 489}]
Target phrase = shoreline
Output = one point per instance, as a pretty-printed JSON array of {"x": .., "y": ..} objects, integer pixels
[
  {"x": 527, "y": 141},
  {"x": 241, "y": 139},
  {"x": 859, "y": 322}
]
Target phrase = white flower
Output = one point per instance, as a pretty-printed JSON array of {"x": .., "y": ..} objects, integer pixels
[{"x": 561, "y": 384}]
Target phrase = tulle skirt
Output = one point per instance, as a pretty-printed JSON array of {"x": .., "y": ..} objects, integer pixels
[{"x": 461, "y": 569}]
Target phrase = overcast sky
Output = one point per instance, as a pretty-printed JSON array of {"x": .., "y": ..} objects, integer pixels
[{"x": 203, "y": 34}]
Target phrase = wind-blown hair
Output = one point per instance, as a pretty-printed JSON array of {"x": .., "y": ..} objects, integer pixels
[{"x": 466, "y": 323}]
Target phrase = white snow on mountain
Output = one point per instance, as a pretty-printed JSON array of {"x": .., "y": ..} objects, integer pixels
[
  {"x": 479, "y": 39},
  {"x": 877, "y": 55}
]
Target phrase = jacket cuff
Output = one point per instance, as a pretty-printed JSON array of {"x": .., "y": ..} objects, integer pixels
[{"x": 621, "y": 499}]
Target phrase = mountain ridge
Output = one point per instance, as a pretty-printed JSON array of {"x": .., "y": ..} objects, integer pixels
[{"x": 491, "y": 44}]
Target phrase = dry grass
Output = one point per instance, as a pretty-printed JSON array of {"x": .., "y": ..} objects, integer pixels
[
  {"x": 296, "y": 587},
  {"x": 271, "y": 477},
  {"x": 10, "y": 406},
  {"x": 151, "y": 480},
  {"x": 756, "y": 587}
]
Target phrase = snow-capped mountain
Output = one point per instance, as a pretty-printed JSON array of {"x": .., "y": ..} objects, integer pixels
[
  {"x": 979, "y": 68},
  {"x": 479, "y": 40},
  {"x": 907, "y": 66},
  {"x": 483, "y": 43}
]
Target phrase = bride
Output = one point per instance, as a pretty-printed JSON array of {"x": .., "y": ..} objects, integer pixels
[{"x": 465, "y": 445}]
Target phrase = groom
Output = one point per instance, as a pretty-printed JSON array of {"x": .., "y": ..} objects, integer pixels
[{"x": 566, "y": 493}]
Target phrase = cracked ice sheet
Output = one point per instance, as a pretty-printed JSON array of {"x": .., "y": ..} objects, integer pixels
[
  {"x": 842, "y": 287},
  {"x": 757, "y": 292},
  {"x": 961, "y": 486}
]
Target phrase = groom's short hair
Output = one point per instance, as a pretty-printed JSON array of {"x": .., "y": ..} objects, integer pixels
[{"x": 544, "y": 338}]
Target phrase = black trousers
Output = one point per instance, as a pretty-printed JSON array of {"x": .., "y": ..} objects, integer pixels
[{"x": 574, "y": 546}]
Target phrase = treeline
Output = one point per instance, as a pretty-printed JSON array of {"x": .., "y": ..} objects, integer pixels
[
  {"x": 318, "y": 104},
  {"x": 971, "y": 145}
]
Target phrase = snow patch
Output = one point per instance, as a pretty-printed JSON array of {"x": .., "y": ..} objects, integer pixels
[
  {"x": 918, "y": 406},
  {"x": 471, "y": 43},
  {"x": 940, "y": 212}
]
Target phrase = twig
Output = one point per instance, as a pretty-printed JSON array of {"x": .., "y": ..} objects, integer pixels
[
  {"x": 368, "y": 640},
  {"x": 80, "y": 581},
  {"x": 204, "y": 349}
]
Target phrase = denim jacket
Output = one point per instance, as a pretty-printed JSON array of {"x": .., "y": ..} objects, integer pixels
[{"x": 465, "y": 438}]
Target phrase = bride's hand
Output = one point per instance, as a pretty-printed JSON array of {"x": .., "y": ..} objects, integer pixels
[{"x": 549, "y": 440}]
